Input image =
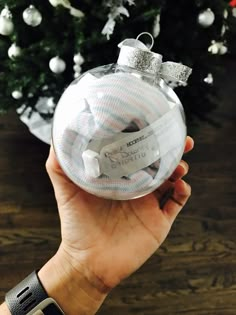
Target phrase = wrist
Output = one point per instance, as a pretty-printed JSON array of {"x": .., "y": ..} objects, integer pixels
[{"x": 74, "y": 290}]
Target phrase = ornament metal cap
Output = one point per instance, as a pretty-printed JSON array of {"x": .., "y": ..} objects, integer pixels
[{"x": 137, "y": 55}]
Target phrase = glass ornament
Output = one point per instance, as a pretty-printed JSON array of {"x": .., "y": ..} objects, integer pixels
[
  {"x": 14, "y": 51},
  {"x": 57, "y": 65},
  {"x": 119, "y": 130},
  {"x": 206, "y": 18},
  {"x": 32, "y": 16},
  {"x": 17, "y": 95}
]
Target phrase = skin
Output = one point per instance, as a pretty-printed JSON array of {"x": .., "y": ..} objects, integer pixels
[{"x": 105, "y": 241}]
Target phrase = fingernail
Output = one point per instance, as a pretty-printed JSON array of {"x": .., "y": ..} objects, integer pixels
[
  {"x": 184, "y": 165},
  {"x": 185, "y": 189},
  {"x": 187, "y": 186}
]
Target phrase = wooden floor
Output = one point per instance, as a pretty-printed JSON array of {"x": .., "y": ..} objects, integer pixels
[{"x": 193, "y": 273}]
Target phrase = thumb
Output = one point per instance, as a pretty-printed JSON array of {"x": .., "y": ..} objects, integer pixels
[{"x": 64, "y": 188}]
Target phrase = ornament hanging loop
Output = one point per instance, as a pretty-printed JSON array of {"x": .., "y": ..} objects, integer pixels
[{"x": 149, "y": 45}]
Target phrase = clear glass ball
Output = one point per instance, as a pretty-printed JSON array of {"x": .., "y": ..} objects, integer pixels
[{"x": 119, "y": 133}]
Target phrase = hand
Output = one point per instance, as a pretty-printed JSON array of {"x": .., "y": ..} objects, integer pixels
[{"x": 108, "y": 240}]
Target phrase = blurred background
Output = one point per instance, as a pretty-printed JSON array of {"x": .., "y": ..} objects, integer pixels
[{"x": 43, "y": 47}]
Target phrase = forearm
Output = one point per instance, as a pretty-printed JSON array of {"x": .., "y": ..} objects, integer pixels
[{"x": 68, "y": 287}]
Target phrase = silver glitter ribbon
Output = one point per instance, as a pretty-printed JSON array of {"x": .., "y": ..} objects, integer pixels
[{"x": 137, "y": 55}]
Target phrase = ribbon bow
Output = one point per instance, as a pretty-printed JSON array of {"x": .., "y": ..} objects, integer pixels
[{"x": 136, "y": 54}]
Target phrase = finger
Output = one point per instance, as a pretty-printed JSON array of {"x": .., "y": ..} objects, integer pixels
[
  {"x": 175, "y": 203},
  {"x": 52, "y": 162},
  {"x": 189, "y": 144},
  {"x": 180, "y": 171},
  {"x": 52, "y": 165},
  {"x": 54, "y": 170},
  {"x": 64, "y": 188}
]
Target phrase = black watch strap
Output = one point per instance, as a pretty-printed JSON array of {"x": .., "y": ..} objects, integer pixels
[{"x": 27, "y": 295}]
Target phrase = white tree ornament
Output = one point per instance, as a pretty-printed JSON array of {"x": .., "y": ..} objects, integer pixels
[
  {"x": 206, "y": 18},
  {"x": 14, "y": 51},
  {"x": 57, "y": 65},
  {"x": 6, "y": 24}
]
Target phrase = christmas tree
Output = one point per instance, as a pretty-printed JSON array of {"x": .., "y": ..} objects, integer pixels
[{"x": 44, "y": 45}]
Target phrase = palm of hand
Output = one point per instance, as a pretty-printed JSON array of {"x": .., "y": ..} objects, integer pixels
[{"x": 117, "y": 237}]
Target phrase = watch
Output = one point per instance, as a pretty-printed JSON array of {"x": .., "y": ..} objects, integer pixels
[{"x": 30, "y": 298}]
